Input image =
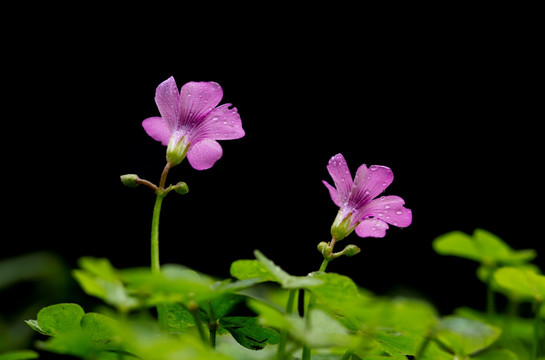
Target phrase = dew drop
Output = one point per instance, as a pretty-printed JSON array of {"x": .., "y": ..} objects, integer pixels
[
  {"x": 387, "y": 206},
  {"x": 399, "y": 212}
]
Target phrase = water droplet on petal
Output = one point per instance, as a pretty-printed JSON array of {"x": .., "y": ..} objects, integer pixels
[
  {"x": 399, "y": 212},
  {"x": 387, "y": 206}
]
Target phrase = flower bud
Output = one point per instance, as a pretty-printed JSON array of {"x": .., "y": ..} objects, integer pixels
[
  {"x": 181, "y": 188},
  {"x": 351, "y": 250},
  {"x": 322, "y": 246},
  {"x": 130, "y": 180}
]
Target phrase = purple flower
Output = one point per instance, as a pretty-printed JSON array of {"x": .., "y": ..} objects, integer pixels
[
  {"x": 190, "y": 122},
  {"x": 359, "y": 209}
]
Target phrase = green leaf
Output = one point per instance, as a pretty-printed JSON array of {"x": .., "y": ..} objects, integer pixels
[
  {"x": 524, "y": 283},
  {"x": 100, "y": 267},
  {"x": 19, "y": 355},
  {"x": 248, "y": 333},
  {"x": 483, "y": 247},
  {"x": 400, "y": 342},
  {"x": 99, "y": 278},
  {"x": 283, "y": 278},
  {"x": 179, "y": 319},
  {"x": 34, "y": 326},
  {"x": 336, "y": 291},
  {"x": 320, "y": 331},
  {"x": 391, "y": 350},
  {"x": 466, "y": 336},
  {"x": 224, "y": 305},
  {"x": 60, "y": 319},
  {"x": 501, "y": 354},
  {"x": 172, "y": 285},
  {"x": 99, "y": 328},
  {"x": 250, "y": 269},
  {"x": 457, "y": 243}
]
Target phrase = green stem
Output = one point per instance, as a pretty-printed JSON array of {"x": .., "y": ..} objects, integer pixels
[
  {"x": 423, "y": 347},
  {"x": 198, "y": 322},
  {"x": 537, "y": 320},
  {"x": 490, "y": 303},
  {"x": 155, "y": 263},
  {"x": 213, "y": 331},
  {"x": 347, "y": 355},
  {"x": 284, "y": 333},
  {"x": 324, "y": 265}
]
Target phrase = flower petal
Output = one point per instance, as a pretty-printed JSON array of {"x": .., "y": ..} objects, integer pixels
[
  {"x": 204, "y": 154},
  {"x": 369, "y": 183},
  {"x": 157, "y": 129},
  {"x": 340, "y": 173},
  {"x": 197, "y": 99},
  {"x": 372, "y": 228},
  {"x": 167, "y": 99},
  {"x": 222, "y": 123},
  {"x": 389, "y": 209},
  {"x": 333, "y": 193}
]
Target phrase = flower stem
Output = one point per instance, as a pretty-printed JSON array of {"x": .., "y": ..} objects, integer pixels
[{"x": 155, "y": 263}]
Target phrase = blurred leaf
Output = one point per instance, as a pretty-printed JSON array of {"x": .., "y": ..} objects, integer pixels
[
  {"x": 248, "y": 333},
  {"x": 170, "y": 286},
  {"x": 457, "y": 243},
  {"x": 34, "y": 326},
  {"x": 434, "y": 352},
  {"x": 100, "y": 267},
  {"x": 100, "y": 279},
  {"x": 28, "y": 267},
  {"x": 60, "y": 319},
  {"x": 466, "y": 336},
  {"x": 399, "y": 342},
  {"x": 224, "y": 305},
  {"x": 179, "y": 319},
  {"x": 391, "y": 350},
  {"x": 249, "y": 269},
  {"x": 99, "y": 328},
  {"x": 321, "y": 331},
  {"x": 524, "y": 283},
  {"x": 19, "y": 355},
  {"x": 283, "y": 278},
  {"x": 336, "y": 291},
  {"x": 501, "y": 354},
  {"x": 483, "y": 247}
]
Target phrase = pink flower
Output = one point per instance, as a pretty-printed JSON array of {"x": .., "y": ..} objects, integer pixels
[
  {"x": 190, "y": 122},
  {"x": 359, "y": 210}
]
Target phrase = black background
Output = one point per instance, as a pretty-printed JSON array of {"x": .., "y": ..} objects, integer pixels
[{"x": 451, "y": 110}]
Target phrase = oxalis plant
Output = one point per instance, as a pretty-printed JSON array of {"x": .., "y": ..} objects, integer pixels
[{"x": 262, "y": 312}]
